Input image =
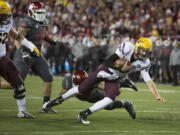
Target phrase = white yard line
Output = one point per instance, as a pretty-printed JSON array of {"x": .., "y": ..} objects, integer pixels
[
  {"x": 92, "y": 131},
  {"x": 159, "y": 90},
  {"x": 114, "y": 111},
  {"x": 163, "y": 90}
]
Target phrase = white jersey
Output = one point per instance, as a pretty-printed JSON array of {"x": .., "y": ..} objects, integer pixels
[
  {"x": 126, "y": 50},
  {"x": 4, "y": 31}
]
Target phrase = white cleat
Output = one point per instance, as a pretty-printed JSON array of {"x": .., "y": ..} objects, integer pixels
[{"x": 24, "y": 114}]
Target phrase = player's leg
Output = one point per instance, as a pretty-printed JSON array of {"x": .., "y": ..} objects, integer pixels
[
  {"x": 4, "y": 84},
  {"x": 127, "y": 83},
  {"x": 111, "y": 91},
  {"x": 21, "y": 64},
  {"x": 10, "y": 73},
  {"x": 41, "y": 68},
  {"x": 81, "y": 89},
  {"x": 121, "y": 104},
  {"x": 96, "y": 95}
]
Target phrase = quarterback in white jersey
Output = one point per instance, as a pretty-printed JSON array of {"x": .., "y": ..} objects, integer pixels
[
  {"x": 136, "y": 58},
  {"x": 126, "y": 50},
  {"x": 7, "y": 69}
]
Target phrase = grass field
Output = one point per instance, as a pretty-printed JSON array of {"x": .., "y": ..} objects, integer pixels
[{"x": 153, "y": 117}]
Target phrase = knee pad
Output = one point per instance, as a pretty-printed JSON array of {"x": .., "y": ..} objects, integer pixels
[{"x": 19, "y": 92}]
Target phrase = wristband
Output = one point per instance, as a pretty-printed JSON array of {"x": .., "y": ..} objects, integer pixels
[{"x": 28, "y": 44}]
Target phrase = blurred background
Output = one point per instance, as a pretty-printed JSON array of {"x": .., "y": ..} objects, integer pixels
[{"x": 88, "y": 31}]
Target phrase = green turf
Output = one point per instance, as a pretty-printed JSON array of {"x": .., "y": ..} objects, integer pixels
[{"x": 153, "y": 117}]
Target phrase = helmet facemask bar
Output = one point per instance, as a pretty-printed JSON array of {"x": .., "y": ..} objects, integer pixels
[
  {"x": 38, "y": 15},
  {"x": 143, "y": 53},
  {"x": 4, "y": 18},
  {"x": 37, "y": 11}
]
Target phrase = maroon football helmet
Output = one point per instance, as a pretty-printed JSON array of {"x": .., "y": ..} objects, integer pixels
[
  {"x": 37, "y": 11},
  {"x": 79, "y": 76}
]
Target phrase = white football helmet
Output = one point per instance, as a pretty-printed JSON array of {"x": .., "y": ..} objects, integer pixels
[{"x": 37, "y": 11}]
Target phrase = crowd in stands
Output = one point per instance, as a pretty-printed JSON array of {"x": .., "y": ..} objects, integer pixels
[{"x": 88, "y": 31}]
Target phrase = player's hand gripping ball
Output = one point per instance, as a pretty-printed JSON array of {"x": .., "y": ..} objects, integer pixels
[{"x": 123, "y": 64}]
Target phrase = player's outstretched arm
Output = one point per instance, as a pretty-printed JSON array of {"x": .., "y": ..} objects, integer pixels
[
  {"x": 20, "y": 38},
  {"x": 153, "y": 89}
]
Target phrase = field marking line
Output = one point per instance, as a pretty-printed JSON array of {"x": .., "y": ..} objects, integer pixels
[
  {"x": 90, "y": 131},
  {"x": 114, "y": 111},
  {"x": 159, "y": 90}
]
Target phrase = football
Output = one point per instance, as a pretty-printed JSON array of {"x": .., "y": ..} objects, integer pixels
[{"x": 120, "y": 62}]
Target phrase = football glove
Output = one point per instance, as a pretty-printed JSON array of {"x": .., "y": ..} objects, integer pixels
[
  {"x": 31, "y": 47},
  {"x": 36, "y": 51}
]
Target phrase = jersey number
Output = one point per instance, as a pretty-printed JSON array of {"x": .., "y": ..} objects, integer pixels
[{"x": 3, "y": 37}]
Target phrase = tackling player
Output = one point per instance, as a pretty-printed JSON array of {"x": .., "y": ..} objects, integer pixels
[
  {"x": 96, "y": 93},
  {"x": 137, "y": 59},
  {"x": 34, "y": 29},
  {"x": 7, "y": 69}
]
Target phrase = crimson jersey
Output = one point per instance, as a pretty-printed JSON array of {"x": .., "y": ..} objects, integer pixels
[{"x": 37, "y": 30}]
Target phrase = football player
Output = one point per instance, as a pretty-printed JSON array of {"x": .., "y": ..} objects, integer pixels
[
  {"x": 34, "y": 29},
  {"x": 7, "y": 69},
  {"x": 76, "y": 79},
  {"x": 137, "y": 59},
  {"x": 96, "y": 93}
]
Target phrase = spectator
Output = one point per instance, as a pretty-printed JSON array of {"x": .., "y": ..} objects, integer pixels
[{"x": 175, "y": 62}]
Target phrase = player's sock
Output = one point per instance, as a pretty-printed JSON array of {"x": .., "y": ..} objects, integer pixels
[
  {"x": 118, "y": 104},
  {"x": 53, "y": 102},
  {"x": 101, "y": 104},
  {"x": 46, "y": 99},
  {"x": 87, "y": 112},
  {"x": 115, "y": 104},
  {"x": 73, "y": 91},
  {"x": 21, "y": 104}
]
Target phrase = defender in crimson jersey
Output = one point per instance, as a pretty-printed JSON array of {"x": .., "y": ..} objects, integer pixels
[
  {"x": 34, "y": 29},
  {"x": 96, "y": 93}
]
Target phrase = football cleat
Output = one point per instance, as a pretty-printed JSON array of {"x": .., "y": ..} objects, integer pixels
[
  {"x": 48, "y": 111},
  {"x": 83, "y": 118},
  {"x": 127, "y": 83},
  {"x": 130, "y": 109},
  {"x": 45, "y": 105},
  {"x": 24, "y": 114}
]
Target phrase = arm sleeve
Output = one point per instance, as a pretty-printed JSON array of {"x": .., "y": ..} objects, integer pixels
[
  {"x": 110, "y": 61},
  {"x": 145, "y": 75},
  {"x": 124, "y": 49}
]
